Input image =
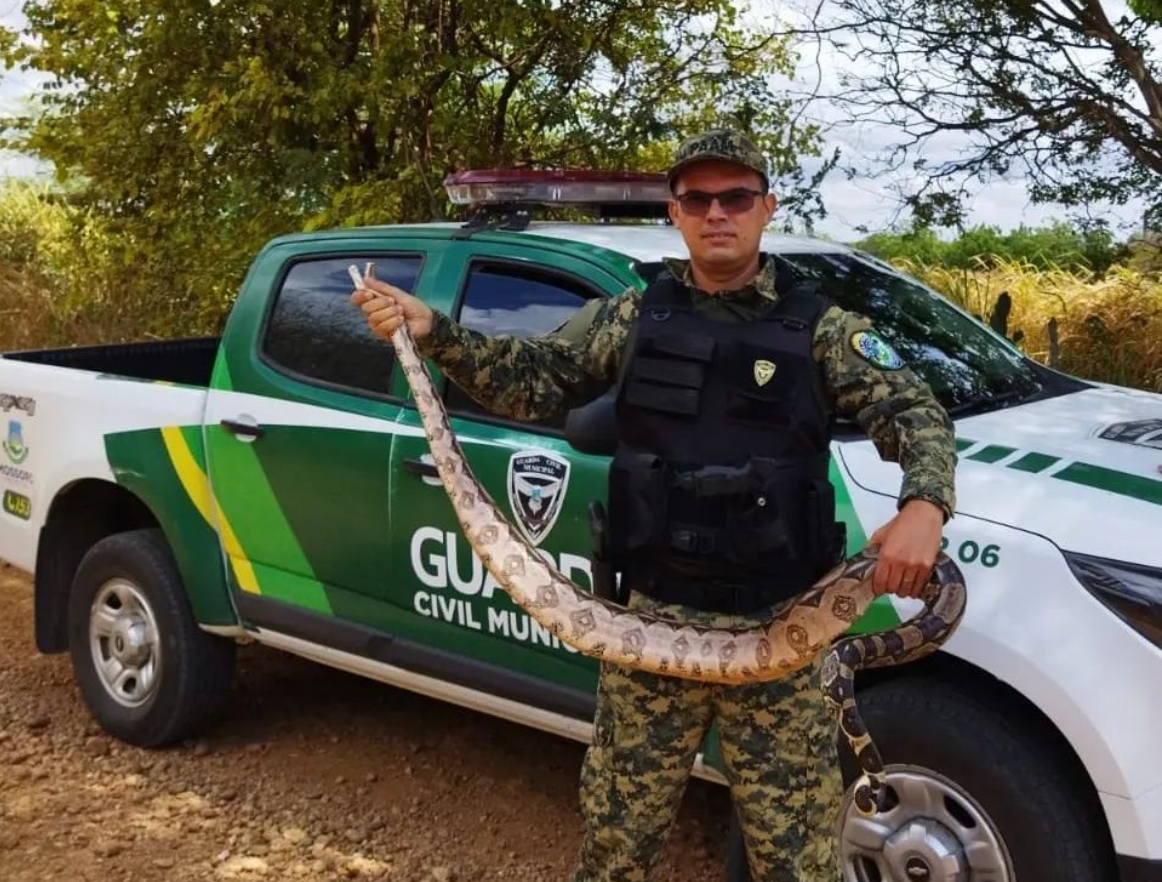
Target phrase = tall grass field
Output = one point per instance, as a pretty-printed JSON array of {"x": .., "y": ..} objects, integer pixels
[{"x": 1108, "y": 329}]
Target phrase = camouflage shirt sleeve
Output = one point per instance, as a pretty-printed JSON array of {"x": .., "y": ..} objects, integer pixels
[
  {"x": 894, "y": 406},
  {"x": 538, "y": 378}
]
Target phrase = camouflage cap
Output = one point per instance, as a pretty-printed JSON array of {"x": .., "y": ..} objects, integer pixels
[{"x": 724, "y": 144}]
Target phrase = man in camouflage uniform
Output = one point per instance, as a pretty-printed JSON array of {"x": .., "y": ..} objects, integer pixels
[{"x": 778, "y": 740}]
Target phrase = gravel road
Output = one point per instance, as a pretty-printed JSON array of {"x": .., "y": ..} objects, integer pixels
[{"x": 311, "y": 775}]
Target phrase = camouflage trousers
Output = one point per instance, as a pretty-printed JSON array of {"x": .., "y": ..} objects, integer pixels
[{"x": 779, "y": 755}]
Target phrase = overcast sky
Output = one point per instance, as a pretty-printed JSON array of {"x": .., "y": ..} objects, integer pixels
[{"x": 850, "y": 203}]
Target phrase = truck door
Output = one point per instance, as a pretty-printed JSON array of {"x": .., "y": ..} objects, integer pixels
[
  {"x": 531, "y": 472},
  {"x": 299, "y": 430}
]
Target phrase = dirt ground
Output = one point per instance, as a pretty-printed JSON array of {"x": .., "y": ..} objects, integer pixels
[{"x": 311, "y": 775}]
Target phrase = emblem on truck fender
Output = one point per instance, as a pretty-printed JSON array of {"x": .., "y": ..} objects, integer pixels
[
  {"x": 536, "y": 487},
  {"x": 14, "y": 444},
  {"x": 1145, "y": 433}
]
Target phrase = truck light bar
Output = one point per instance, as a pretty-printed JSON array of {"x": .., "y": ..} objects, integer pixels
[{"x": 552, "y": 187}]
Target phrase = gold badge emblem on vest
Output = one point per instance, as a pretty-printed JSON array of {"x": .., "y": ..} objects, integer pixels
[{"x": 763, "y": 371}]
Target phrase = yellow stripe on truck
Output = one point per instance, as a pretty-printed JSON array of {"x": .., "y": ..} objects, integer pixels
[{"x": 197, "y": 487}]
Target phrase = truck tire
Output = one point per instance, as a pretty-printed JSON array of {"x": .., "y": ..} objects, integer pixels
[
  {"x": 963, "y": 773},
  {"x": 148, "y": 674}
]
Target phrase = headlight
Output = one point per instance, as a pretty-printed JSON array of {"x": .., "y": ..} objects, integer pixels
[{"x": 1132, "y": 591}]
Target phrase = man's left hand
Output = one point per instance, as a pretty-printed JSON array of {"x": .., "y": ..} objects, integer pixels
[{"x": 909, "y": 543}]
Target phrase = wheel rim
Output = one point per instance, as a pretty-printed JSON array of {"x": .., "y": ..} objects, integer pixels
[
  {"x": 123, "y": 639},
  {"x": 932, "y": 831}
]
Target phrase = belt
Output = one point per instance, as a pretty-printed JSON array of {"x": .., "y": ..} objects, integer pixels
[{"x": 709, "y": 596}]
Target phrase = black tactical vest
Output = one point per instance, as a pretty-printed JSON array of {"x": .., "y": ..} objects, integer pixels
[{"x": 719, "y": 494}]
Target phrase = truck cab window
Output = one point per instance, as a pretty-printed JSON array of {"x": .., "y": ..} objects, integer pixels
[
  {"x": 316, "y": 335},
  {"x": 963, "y": 362},
  {"x": 508, "y": 299}
]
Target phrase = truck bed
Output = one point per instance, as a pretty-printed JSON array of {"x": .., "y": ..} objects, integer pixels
[{"x": 189, "y": 361}]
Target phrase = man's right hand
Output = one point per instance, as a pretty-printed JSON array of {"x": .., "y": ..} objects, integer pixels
[{"x": 387, "y": 307}]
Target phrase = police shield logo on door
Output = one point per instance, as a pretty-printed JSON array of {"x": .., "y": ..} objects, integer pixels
[{"x": 537, "y": 482}]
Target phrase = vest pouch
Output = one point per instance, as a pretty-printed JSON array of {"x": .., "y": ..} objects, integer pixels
[
  {"x": 690, "y": 347},
  {"x": 668, "y": 372},
  {"x": 826, "y": 538},
  {"x": 768, "y": 528},
  {"x": 637, "y": 504},
  {"x": 665, "y": 384},
  {"x": 788, "y": 526},
  {"x": 759, "y": 535},
  {"x": 765, "y": 386}
]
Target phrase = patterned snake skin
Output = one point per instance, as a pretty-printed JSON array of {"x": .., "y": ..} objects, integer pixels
[{"x": 801, "y": 629}]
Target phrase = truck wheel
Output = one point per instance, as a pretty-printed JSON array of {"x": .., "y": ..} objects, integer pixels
[
  {"x": 148, "y": 674},
  {"x": 974, "y": 795}
]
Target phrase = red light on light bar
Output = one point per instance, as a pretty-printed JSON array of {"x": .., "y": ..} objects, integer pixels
[{"x": 556, "y": 187}]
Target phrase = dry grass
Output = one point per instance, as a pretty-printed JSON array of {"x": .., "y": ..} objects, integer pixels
[
  {"x": 65, "y": 281},
  {"x": 46, "y": 251},
  {"x": 38, "y": 312},
  {"x": 27, "y": 319},
  {"x": 1108, "y": 329}
]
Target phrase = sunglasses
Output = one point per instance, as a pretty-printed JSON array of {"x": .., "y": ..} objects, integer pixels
[{"x": 737, "y": 200}]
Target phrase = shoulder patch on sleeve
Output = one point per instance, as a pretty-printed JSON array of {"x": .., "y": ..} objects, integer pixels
[{"x": 874, "y": 349}]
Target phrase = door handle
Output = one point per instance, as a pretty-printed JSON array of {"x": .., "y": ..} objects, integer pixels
[
  {"x": 246, "y": 430},
  {"x": 421, "y": 468}
]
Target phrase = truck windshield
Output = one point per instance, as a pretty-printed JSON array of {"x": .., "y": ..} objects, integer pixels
[{"x": 966, "y": 365}]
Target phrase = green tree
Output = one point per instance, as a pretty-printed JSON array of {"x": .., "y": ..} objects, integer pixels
[
  {"x": 980, "y": 242},
  {"x": 200, "y": 128},
  {"x": 918, "y": 243},
  {"x": 1056, "y": 245}
]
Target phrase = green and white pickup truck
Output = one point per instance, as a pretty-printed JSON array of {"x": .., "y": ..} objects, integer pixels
[{"x": 274, "y": 483}]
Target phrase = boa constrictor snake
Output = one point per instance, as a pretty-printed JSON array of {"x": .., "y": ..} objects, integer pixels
[{"x": 802, "y": 628}]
